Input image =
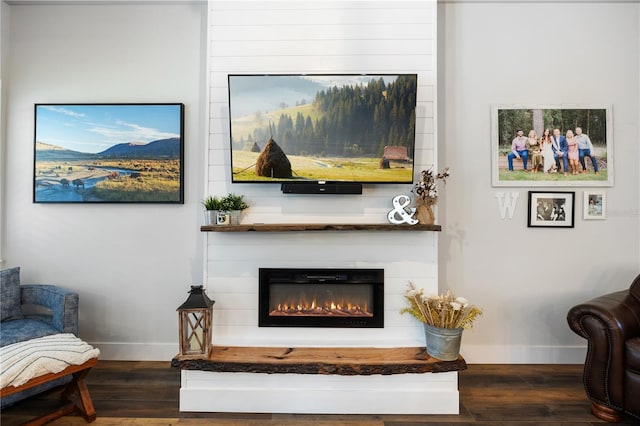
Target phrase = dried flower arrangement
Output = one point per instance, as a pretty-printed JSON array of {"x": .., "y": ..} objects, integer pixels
[
  {"x": 444, "y": 311},
  {"x": 426, "y": 188}
]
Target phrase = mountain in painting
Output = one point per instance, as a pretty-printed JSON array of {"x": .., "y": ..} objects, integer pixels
[
  {"x": 163, "y": 148},
  {"x": 48, "y": 152}
]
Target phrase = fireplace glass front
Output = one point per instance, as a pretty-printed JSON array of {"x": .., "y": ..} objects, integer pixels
[{"x": 321, "y": 297}]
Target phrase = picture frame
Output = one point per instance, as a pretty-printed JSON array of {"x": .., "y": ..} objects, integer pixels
[
  {"x": 594, "y": 205},
  {"x": 108, "y": 153},
  {"x": 551, "y": 209},
  {"x": 326, "y": 127},
  {"x": 595, "y": 121}
]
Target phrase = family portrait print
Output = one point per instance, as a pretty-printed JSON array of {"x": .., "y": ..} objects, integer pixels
[
  {"x": 551, "y": 146},
  {"x": 551, "y": 209},
  {"x": 108, "y": 153}
]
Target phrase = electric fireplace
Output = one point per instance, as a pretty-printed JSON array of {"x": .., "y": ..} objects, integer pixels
[{"x": 321, "y": 298}]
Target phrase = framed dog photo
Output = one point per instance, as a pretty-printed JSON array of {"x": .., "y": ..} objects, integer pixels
[
  {"x": 594, "y": 205},
  {"x": 551, "y": 209}
]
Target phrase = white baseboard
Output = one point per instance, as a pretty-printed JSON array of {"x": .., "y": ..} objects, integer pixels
[
  {"x": 112, "y": 351},
  {"x": 473, "y": 354},
  {"x": 523, "y": 354}
]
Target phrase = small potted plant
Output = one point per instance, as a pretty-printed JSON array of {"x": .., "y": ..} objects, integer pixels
[
  {"x": 234, "y": 204},
  {"x": 444, "y": 318},
  {"x": 212, "y": 205}
]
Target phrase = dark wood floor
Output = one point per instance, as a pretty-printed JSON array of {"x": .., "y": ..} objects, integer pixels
[{"x": 146, "y": 393}]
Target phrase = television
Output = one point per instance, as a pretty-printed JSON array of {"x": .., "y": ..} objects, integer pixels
[{"x": 322, "y": 128}]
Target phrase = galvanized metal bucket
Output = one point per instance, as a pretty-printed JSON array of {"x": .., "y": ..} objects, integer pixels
[
  {"x": 210, "y": 217},
  {"x": 443, "y": 343},
  {"x": 235, "y": 216}
]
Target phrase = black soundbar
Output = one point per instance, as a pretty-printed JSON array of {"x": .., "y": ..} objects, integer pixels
[{"x": 321, "y": 188}]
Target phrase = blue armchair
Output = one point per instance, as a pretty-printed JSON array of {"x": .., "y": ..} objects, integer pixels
[{"x": 32, "y": 311}]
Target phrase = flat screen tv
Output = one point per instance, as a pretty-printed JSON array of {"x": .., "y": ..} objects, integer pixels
[{"x": 330, "y": 128}]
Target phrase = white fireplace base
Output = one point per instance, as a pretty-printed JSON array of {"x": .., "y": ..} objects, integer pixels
[{"x": 427, "y": 393}]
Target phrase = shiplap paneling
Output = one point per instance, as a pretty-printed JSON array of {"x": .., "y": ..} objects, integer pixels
[{"x": 338, "y": 37}]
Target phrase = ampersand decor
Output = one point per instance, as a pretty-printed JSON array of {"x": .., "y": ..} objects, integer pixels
[{"x": 399, "y": 214}]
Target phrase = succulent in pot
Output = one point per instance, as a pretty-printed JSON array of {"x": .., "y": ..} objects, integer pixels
[
  {"x": 234, "y": 204},
  {"x": 212, "y": 205}
]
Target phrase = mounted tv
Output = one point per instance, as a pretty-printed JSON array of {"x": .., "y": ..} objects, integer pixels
[{"x": 300, "y": 130}]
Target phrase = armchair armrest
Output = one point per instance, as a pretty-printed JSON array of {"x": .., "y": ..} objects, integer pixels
[
  {"x": 606, "y": 322},
  {"x": 62, "y": 303}
]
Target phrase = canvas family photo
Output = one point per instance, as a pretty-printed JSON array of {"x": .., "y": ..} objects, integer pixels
[
  {"x": 108, "y": 153},
  {"x": 539, "y": 146}
]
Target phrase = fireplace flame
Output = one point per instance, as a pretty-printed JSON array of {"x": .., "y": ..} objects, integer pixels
[{"x": 330, "y": 309}]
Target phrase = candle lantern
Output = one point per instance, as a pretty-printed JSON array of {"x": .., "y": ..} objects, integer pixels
[{"x": 195, "y": 316}]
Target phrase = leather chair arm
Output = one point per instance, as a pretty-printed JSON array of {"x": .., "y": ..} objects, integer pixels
[
  {"x": 606, "y": 322},
  {"x": 618, "y": 312}
]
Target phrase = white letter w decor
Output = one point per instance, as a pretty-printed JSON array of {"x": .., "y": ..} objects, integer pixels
[{"x": 507, "y": 203}]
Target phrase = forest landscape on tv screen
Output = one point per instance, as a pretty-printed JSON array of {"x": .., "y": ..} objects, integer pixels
[{"x": 332, "y": 128}]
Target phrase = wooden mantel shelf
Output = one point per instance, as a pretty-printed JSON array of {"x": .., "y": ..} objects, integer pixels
[
  {"x": 339, "y": 361},
  {"x": 285, "y": 227}
]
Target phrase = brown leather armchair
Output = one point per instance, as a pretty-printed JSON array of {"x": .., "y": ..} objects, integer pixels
[{"x": 611, "y": 325}]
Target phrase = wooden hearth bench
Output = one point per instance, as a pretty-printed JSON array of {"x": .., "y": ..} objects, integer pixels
[
  {"x": 340, "y": 361},
  {"x": 311, "y": 380}
]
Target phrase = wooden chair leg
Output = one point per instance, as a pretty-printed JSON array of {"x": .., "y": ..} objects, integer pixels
[
  {"x": 78, "y": 393},
  {"x": 44, "y": 419},
  {"x": 605, "y": 413}
]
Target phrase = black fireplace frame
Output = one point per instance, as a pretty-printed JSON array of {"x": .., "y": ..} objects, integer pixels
[{"x": 370, "y": 277}]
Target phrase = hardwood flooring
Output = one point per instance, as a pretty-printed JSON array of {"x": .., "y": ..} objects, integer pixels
[{"x": 147, "y": 393}]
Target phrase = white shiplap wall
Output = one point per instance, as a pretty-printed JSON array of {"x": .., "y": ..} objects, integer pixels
[{"x": 317, "y": 37}]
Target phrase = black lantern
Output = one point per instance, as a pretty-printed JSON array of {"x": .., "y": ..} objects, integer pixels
[{"x": 195, "y": 316}]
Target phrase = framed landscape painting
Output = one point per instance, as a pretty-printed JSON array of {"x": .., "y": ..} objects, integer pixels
[
  {"x": 109, "y": 153},
  {"x": 547, "y": 145}
]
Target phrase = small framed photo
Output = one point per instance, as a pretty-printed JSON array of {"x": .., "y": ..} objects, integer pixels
[
  {"x": 223, "y": 218},
  {"x": 551, "y": 209},
  {"x": 594, "y": 205}
]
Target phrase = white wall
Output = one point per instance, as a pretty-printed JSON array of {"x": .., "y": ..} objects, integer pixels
[
  {"x": 117, "y": 255},
  {"x": 4, "y": 44},
  {"x": 131, "y": 264},
  {"x": 526, "y": 279},
  {"x": 317, "y": 37}
]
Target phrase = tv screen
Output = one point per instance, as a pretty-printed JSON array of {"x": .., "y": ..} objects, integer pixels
[{"x": 322, "y": 128}]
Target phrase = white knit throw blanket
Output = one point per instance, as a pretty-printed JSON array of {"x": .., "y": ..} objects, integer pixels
[{"x": 22, "y": 361}]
